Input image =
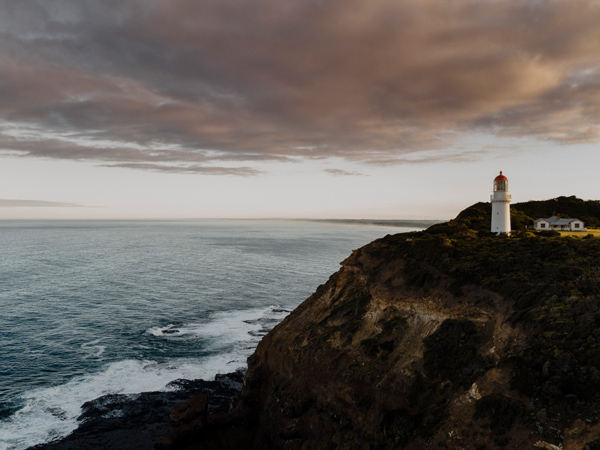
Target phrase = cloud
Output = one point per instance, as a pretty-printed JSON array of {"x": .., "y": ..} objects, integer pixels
[
  {"x": 182, "y": 85},
  {"x": 193, "y": 169},
  {"x": 340, "y": 172},
  {"x": 425, "y": 157},
  {"x": 6, "y": 203}
]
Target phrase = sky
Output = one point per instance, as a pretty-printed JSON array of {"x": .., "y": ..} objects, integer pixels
[{"x": 380, "y": 109}]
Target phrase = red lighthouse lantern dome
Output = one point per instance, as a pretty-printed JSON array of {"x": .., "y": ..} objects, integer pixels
[
  {"x": 500, "y": 177},
  {"x": 501, "y": 183}
]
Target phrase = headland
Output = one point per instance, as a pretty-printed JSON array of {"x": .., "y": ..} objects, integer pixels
[{"x": 452, "y": 338}]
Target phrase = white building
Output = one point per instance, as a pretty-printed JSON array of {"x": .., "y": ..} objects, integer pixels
[
  {"x": 556, "y": 223},
  {"x": 500, "y": 206}
]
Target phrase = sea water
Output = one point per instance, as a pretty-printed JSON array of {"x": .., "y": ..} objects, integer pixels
[{"x": 92, "y": 308}]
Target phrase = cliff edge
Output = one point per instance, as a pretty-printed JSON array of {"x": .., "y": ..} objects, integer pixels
[{"x": 447, "y": 338}]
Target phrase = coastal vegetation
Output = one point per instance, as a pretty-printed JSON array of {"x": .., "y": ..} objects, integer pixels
[
  {"x": 477, "y": 217},
  {"x": 553, "y": 283}
]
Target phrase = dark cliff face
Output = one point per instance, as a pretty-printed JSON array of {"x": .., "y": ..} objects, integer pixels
[
  {"x": 371, "y": 361},
  {"x": 448, "y": 338}
]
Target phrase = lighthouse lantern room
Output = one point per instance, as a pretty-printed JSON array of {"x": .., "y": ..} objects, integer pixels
[{"x": 501, "y": 206}]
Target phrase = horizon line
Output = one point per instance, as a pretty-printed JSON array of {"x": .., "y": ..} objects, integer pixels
[{"x": 308, "y": 219}]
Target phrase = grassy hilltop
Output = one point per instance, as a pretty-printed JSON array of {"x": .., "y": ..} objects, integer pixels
[{"x": 478, "y": 216}]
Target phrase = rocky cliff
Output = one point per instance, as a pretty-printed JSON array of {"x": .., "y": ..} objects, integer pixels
[{"x": 448, "y": 338}]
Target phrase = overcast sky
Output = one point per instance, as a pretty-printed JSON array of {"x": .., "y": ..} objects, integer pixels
[{"x": 294, "y": 108}]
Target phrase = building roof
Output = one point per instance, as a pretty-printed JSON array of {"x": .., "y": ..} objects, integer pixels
[
  {"x": 500, "y": 177},
  {"x": 554, "y": 220}
]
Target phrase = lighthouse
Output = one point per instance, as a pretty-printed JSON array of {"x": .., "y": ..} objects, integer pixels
[{"x": 501, "y": 206}]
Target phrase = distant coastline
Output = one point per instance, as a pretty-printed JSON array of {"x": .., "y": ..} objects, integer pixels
[{"x": 386, "y": 223}]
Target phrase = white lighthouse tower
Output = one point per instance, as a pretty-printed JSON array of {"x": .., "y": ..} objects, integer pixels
[{"x": 501, "y": 206}]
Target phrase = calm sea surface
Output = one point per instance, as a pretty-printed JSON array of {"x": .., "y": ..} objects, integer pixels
[{"x": 92, "y": 308}]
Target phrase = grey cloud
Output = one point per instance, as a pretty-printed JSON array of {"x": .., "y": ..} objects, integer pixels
[
  {"x": 340, "y": 172},
  {"x": 6, "y": 203},
  {"x": 193, "y": 169},
  {"x": 439, "y": 156},
  {"x": 172, "y": 85}
]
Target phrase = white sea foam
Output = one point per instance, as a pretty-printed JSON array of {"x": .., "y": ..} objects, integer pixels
[
  {"x": 51, "y": 413},
  {"x": 93, "y": 350},
  {"x": 225, "y": 328}
]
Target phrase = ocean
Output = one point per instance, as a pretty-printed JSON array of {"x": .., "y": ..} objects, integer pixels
[{"x": 89, "y": 308}]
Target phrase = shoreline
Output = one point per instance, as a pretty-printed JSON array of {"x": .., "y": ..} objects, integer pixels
[{"x": 138, "y": 421}]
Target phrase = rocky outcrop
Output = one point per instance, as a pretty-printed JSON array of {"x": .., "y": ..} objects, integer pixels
[{"x": 135, "y": 422}]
